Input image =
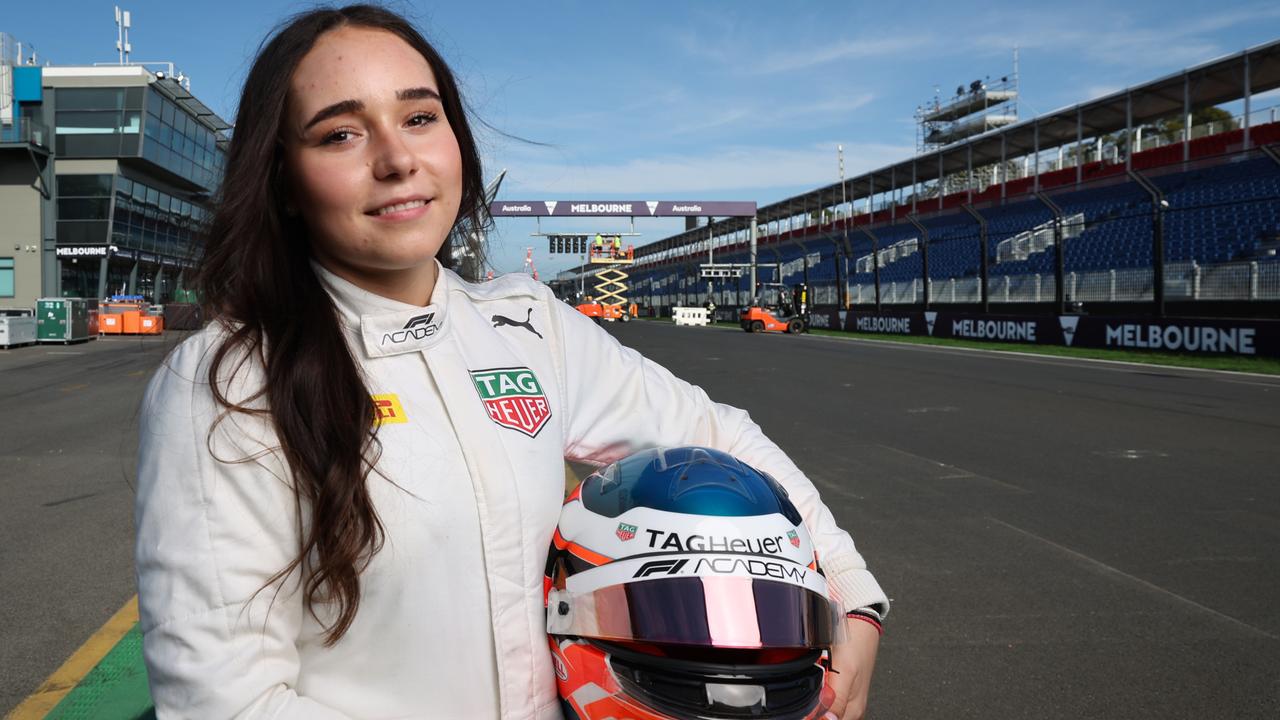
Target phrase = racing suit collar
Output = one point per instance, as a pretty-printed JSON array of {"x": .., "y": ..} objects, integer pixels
[{"x": 386, "y": 326}]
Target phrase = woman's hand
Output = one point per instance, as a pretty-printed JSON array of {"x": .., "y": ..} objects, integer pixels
[{"x": 853, "y": 660}]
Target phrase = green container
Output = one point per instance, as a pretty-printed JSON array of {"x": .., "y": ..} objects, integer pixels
[{"x": 64, "y": 320}]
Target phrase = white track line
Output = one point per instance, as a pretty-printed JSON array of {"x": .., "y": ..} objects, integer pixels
[{"x": 1109, "y": 570}]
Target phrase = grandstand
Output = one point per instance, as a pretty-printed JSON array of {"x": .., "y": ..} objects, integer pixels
[{"x": 1062, "y": 208}]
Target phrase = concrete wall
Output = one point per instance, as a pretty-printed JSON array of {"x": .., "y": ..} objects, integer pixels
[{"x": 20, "y": 225}]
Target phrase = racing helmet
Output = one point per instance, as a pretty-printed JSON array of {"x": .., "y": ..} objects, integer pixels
[{"x": 681, "y": 583}]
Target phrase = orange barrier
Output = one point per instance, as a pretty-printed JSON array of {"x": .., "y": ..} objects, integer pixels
[
  {"x": 151, "y": 325},
  {"x": 132, "y": 321},
  {"x": 123, "y": 318}
]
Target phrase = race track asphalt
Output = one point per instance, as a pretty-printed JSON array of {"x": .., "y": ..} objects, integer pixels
[
  {"x": 68, "y": 435},
  {"x": 1061, "y": 539}
]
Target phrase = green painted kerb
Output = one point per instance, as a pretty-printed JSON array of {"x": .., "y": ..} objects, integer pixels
[{"x": 116, "y": 689}]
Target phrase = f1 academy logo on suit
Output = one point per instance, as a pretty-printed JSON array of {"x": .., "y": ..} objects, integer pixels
[
  {"x": 513, "y": 398},
  {"x": 417, "y": 328}
]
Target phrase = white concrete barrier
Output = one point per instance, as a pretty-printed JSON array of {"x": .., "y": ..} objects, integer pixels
[{"x": 689, "y": 315}]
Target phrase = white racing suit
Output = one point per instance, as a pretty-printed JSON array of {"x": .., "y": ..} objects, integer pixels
[{"x": 480, "y": 396}]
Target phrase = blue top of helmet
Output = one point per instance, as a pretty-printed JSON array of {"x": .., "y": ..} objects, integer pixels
[{"x": 691, "y": 480}]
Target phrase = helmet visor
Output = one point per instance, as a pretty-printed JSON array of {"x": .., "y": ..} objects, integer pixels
[{"x": 708, "y": 611}]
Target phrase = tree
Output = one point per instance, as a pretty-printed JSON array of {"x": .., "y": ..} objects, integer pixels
[{"x": 1171, "y": 128}]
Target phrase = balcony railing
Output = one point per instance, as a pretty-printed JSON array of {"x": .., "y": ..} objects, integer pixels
[{"x": 28, "y": 132}]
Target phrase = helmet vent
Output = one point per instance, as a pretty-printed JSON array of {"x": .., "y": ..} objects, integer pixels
[{"x": 736, "y": 696}]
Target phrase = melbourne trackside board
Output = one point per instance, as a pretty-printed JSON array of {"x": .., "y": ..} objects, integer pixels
[
  {"x": 513, "y": 398},
  {"x": 1214, "y": 336}
]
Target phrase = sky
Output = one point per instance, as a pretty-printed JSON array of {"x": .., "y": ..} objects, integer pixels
[{"x": 692, "y": 100}]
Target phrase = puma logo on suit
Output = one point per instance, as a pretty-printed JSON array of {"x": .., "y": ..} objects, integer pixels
[{"x": 500, "y": 320}]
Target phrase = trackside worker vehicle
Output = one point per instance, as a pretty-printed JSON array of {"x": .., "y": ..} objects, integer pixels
[
  {"x": 789, "y": 315},
  {"x": 600, "y": 311}
]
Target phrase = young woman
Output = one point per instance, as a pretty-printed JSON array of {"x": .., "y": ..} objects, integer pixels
[{"x": 348, "y": 481}]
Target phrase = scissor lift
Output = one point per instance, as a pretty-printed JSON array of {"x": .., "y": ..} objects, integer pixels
[{"x": 611, "y": 281}]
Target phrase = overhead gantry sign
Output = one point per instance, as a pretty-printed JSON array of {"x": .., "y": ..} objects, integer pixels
[
  {"x": 622, "y": 208},
  {"x": 632, "y": 209}
]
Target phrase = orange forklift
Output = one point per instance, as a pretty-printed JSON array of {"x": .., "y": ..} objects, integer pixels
[{"x": 790, "y": 314}]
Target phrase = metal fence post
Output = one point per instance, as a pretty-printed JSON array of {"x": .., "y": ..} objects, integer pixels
[
  {"x": 1111, "y": 296},
  {"x": 1059, "y": 254},
  {"x": 1195, "y": 280},
  {"x": 1253, "y": 280},
  {"x": 1158, "y": 206},
  {"x": 875, "y": 259},
  {"x": 984, "y": 252},
  {"x": 924, "y": 247}
]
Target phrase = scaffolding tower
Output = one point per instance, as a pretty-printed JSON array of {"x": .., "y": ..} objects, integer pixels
[{"x": 975, "y": 108}]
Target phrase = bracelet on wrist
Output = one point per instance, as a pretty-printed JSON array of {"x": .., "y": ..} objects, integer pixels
[{"x": 867, "y": 615}]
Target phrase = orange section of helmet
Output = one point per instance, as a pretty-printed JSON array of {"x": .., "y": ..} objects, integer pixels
[{"x": 587, "y": 554}]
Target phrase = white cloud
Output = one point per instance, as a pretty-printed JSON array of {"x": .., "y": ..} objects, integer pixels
[
  {"x": 751, "y": 171},
  {"x": 888, "y": 45},
  {"x": 745, "y": 51},
  {"x": 1120, "y": 39},
  {"x": 792, "y": 115}
]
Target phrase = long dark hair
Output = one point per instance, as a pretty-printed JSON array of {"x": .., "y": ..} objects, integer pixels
[{"x": 256, "y": 279}]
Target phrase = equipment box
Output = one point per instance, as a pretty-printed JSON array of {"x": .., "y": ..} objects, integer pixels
[
  {"x": 17, "y": 327},
  {"x": 65, "y": 320},
  {"x": 182, "y": 316}
]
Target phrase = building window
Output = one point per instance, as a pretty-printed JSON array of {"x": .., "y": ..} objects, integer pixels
[
  {"x": 6, "y": 277},
  {"x": 84, "y": 206},
  {"x": 176, "y": 141},
  {"x": 90, "y": 122},
  {"x": 152, "y": 221},
  {"x": 84, "y": 186}
]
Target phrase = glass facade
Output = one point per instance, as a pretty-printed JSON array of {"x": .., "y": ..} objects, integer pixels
[
  {"x": 154, "y": 230},
  {"x": 126, "y": 122},
  {"x": 84, "y": 209},
  {"x": 145, "y": 224},
  {"x": 98, "y": 122},
  {"x": 154, "y": 223},
  {"x": 180, "y": 144}
]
